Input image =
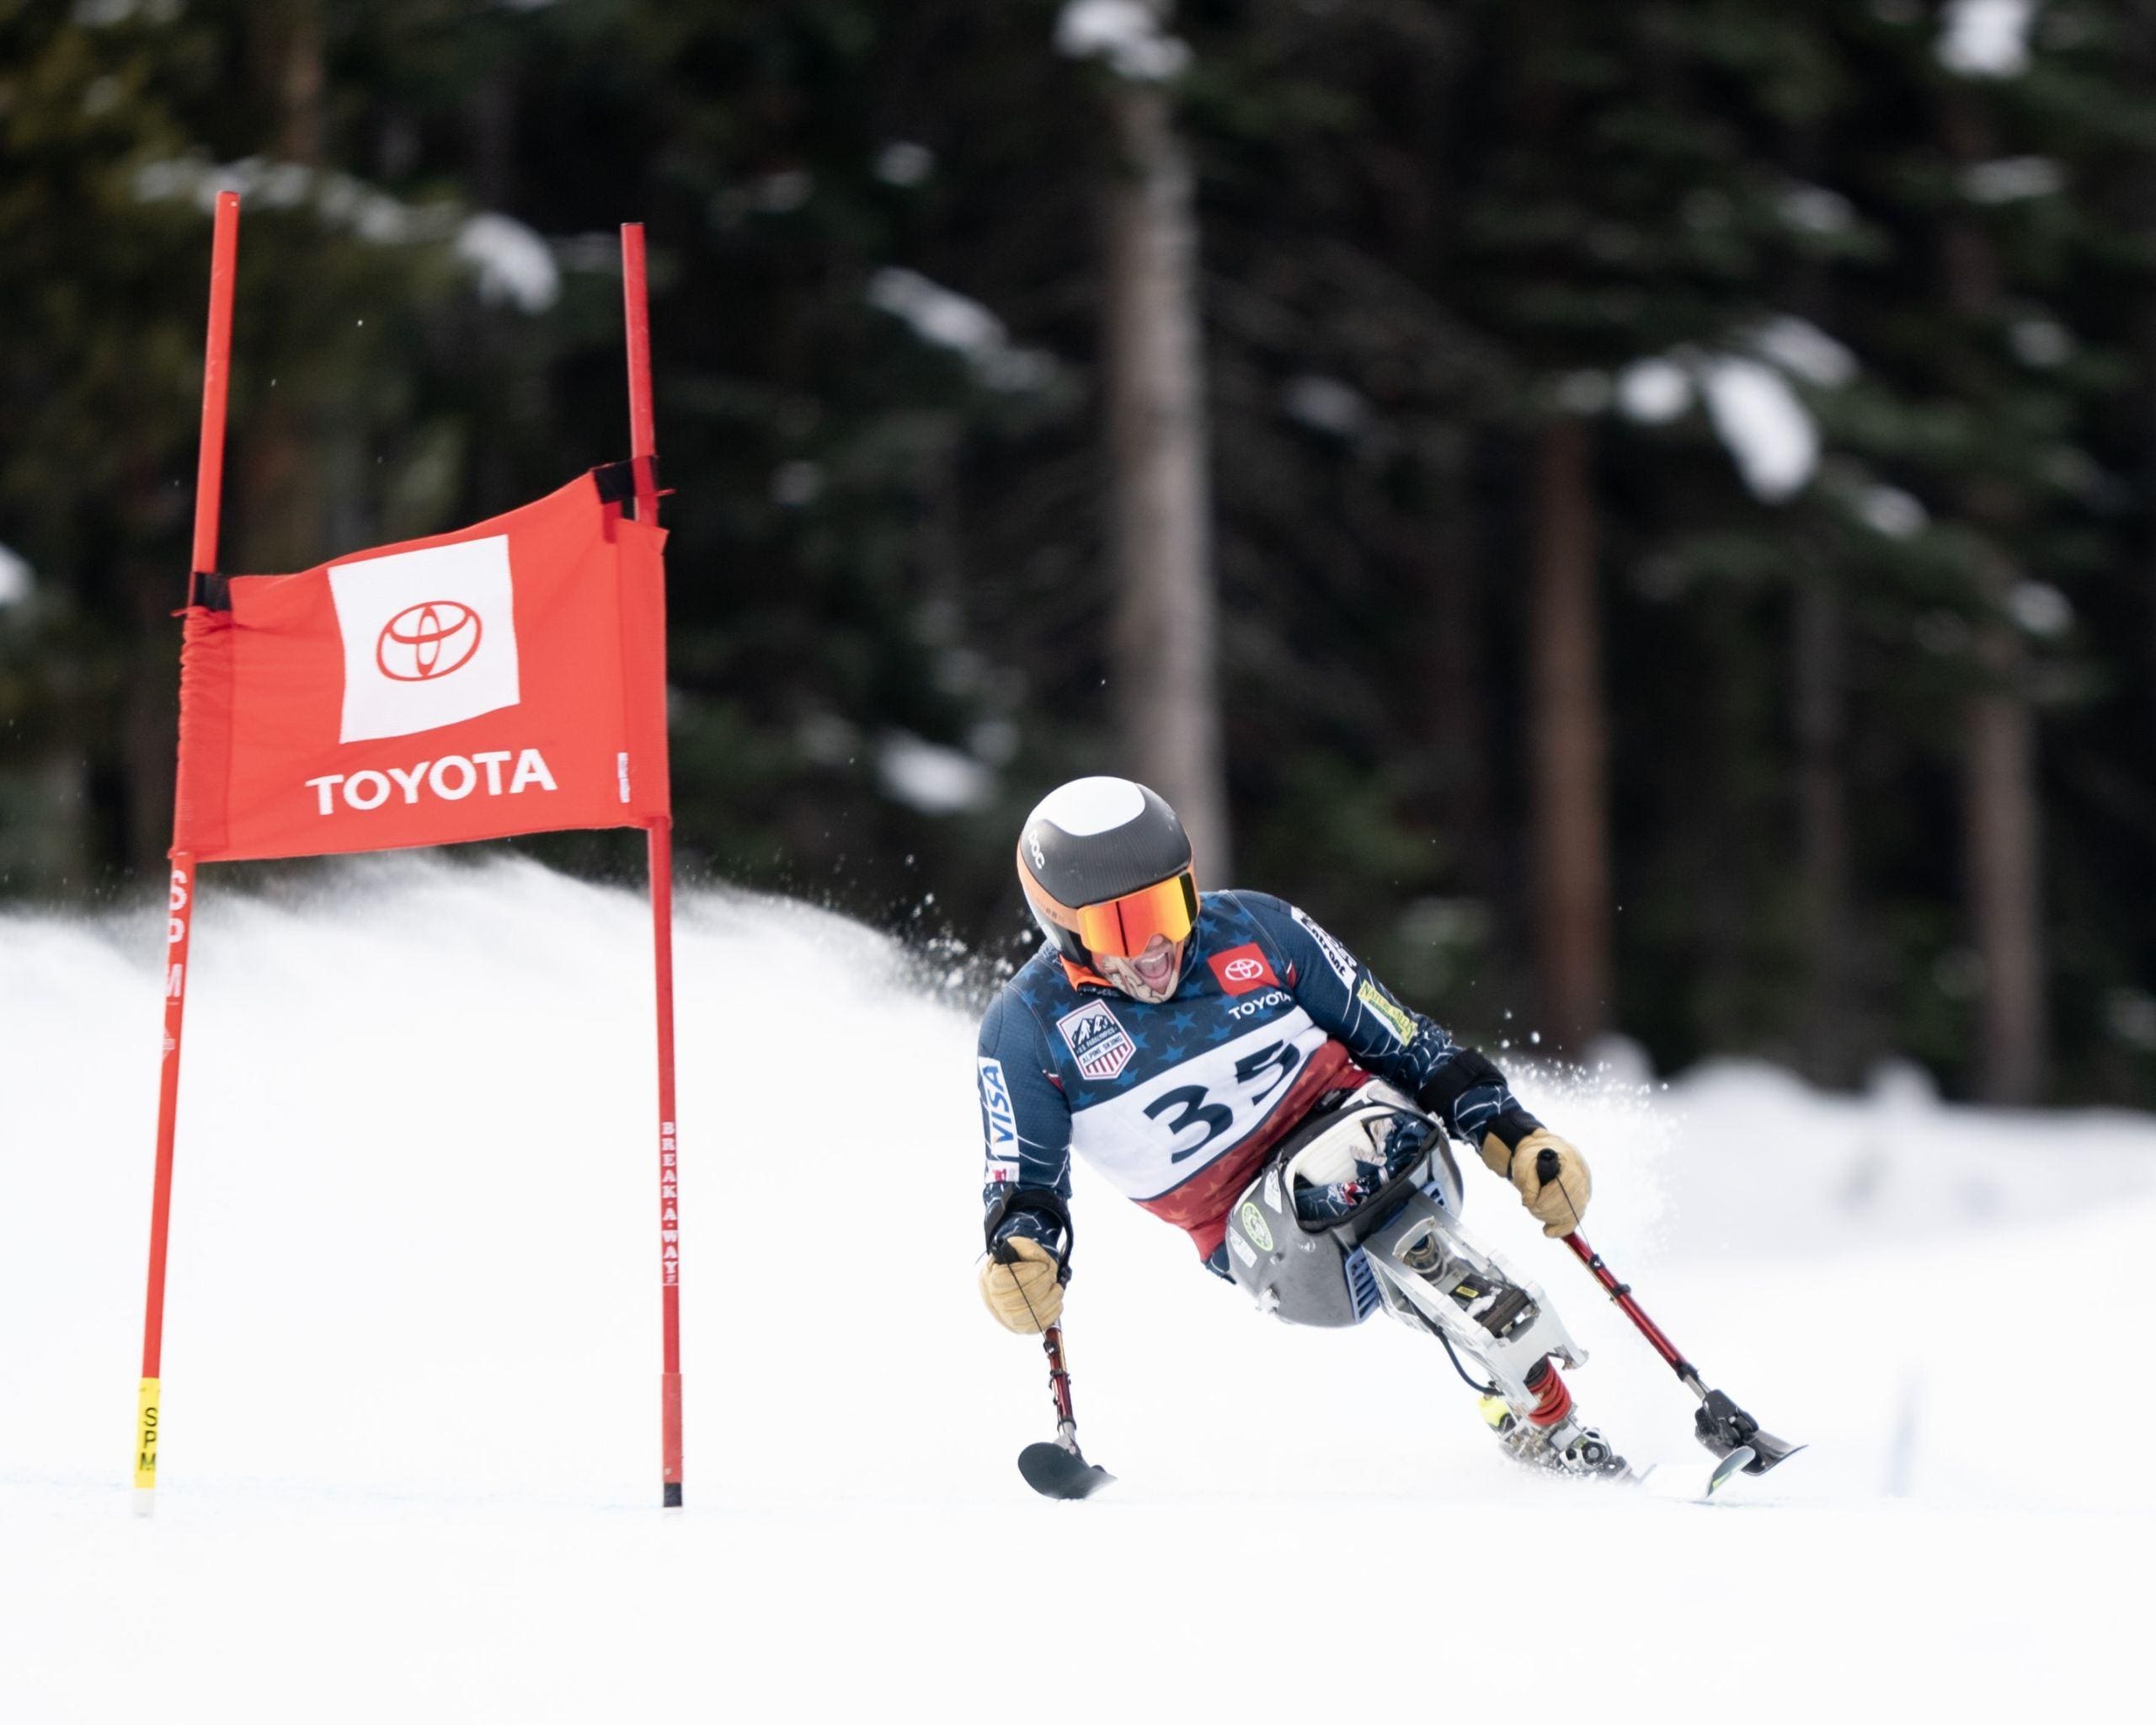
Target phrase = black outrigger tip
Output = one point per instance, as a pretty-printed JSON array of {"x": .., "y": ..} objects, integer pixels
[
  {"x": 1054, "y": 1472},
  {"x": 1725, "y": 1429}
]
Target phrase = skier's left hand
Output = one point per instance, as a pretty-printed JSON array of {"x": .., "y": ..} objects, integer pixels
[
  {"x": 1020, "y": 1286},
  {"x": 1557, "y": 1202}
]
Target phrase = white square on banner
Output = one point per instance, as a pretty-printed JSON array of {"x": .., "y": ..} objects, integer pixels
[{"x": 429, "y": 637}]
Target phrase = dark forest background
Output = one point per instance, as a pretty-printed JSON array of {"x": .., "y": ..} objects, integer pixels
[{"x": 1641, "y": 516}]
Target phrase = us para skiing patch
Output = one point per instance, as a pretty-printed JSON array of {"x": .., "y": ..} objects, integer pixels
[
  {"x": 1337, "y": 956},
  {"x": 1098, "y": 1042}
]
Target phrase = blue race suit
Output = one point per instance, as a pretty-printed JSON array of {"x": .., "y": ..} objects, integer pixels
[{"x": 1178, "y": 1103}]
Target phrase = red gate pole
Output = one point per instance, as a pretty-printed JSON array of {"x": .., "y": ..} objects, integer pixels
[
  {"x": 643, "y": 451},
  {"x": 209, "y": 485}
]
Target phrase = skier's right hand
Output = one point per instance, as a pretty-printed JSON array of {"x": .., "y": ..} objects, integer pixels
[
  {"x": 1021, "y": 1284},
  {"x": 1557, "y": 1202}
]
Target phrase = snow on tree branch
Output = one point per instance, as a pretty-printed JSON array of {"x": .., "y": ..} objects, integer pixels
[
  {"x": 1126, "y": 34},
  {"x": 945, "y": 319},
  {"x": 510, "y": 261},
  {"x": 1987, "y": 38}
]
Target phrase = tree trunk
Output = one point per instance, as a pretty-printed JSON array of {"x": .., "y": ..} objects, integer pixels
[
  {"x": 1569, "y": 795},
  {"x": 1435, "y": 550},
  {"x": 1163, "y": 641},
  {"x": 2002, "y": 820},
  {"x": 2004, "y": 834},
  {"x": 1823, "y": 846}
]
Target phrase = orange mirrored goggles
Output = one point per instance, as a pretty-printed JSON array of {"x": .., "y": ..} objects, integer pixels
[{"x": 1124, "y": 927}]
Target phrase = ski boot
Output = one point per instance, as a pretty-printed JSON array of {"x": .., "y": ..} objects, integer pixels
[{"x": 1549, "y": 1437}]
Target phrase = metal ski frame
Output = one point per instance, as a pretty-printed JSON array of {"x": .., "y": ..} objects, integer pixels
[{"x": 1431, "y": 1276}]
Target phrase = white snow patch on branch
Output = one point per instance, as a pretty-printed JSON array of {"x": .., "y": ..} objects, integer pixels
[
  {"x": 2039, "y": 341},
  {"x": 1987, "y": 38},
  {"x": 16, "y": 581},
  {"x": 2011, "y": 178},
  {"x": 97, "y": 14},
  {"x": 945, "y": 319},
  {"x": 1325, "y": 404},
  {"x": 2041, "y": 609},
  {"x": 1814, "y": 209},
  {"x": 1126, "y": 34},
  {"x": 1653, "y": 392},
  {"x": 1804, "y": 350},
  {"x": 511, "y": 262},
  {"x": 1763, "y": 425},
  {"x": 1890, "y": 510},
  {"x": 930, "y": 777},
  {"x": 900, "y": 162}
]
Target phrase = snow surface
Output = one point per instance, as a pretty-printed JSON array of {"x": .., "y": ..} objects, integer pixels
[{"x": 410, "y": 1452}]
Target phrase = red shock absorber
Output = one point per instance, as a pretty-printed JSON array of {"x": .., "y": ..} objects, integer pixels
[{"x": 1553, "y": 1398}]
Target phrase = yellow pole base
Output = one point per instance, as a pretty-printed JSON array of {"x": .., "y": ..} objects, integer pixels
[{"x": 146, "y": 1439}]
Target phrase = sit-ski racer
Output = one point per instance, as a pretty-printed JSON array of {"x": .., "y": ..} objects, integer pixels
[{"x": 1194, "y": 1049}]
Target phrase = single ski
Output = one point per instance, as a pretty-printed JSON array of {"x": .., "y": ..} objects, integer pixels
[
  {"x": 1682, "y": 1482},
  {"x": 1054, "y": 1472}
]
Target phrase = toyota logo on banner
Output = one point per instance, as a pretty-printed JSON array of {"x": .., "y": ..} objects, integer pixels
[
  {"x": 427, "y": 640},
  {"x": 429, "y": 637}
]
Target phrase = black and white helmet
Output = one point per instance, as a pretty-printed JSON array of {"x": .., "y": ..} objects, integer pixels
[{"x": 1106, "y": 865}]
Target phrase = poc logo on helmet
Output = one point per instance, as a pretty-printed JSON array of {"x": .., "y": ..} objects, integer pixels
[{"x": 430, "y": 640}]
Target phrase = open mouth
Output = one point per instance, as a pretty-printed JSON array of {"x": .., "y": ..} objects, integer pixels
[{"x": 1156, "y": 966}]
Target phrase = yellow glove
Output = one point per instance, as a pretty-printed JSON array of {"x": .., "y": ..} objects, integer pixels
[
  {"x": 1557, "y": 1202},
  {"x": 1024, "y": 1296}
]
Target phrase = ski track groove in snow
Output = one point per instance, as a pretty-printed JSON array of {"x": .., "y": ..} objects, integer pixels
[{"x": 411, "y": 1454}]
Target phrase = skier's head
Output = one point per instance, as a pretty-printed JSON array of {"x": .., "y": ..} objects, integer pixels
[{"x": 1106, "y": 869}]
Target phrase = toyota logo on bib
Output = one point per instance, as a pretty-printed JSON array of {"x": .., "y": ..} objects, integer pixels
[
  {"x": 427, "y": 640},
  {"x": 1242, "y": 969}
]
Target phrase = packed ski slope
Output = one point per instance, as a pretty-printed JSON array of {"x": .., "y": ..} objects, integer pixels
[{"x": 410, "y": 1462}]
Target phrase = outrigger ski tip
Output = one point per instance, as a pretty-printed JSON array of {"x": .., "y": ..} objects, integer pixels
[
  {"x": 1054, "y": 1472},
  {"x": 1725, "y": 1428}
]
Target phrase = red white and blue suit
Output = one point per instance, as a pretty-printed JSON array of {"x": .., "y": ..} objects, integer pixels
[{"x": 1178, "y": 1103}]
